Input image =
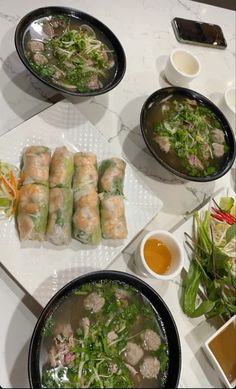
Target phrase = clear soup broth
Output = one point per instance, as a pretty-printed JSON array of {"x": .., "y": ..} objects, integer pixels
[
  {"x": 105, "y": 334},
  {"x": 70, "y": 53},
  {"x": 186, "y": 135}
]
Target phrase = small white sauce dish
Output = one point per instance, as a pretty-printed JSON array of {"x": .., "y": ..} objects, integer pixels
[
  {"x": 182, "y": 67},
  {"x": 230, "y": 106},
  {"x": 221, "y": 351},
  {"x": 175, "y": 249}
]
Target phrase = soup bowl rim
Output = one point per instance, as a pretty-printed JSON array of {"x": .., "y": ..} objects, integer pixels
[
  {"x": 107, "y": 275},
  {"x": 226, "y": 127}
]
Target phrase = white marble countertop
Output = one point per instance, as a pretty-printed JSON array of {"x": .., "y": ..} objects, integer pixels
[{"x": 144, "y": 29}]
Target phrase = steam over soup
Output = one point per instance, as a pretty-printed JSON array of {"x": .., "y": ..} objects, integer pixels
[
  {"x": 187, "y": 136},
  {"x": 105, "y": 335},
  {"x": 72, "y": 55}
]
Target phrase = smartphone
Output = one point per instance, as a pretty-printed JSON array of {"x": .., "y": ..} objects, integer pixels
[{"x": 199, "y": 33}]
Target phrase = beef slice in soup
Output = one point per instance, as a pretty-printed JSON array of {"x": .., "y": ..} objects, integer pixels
[{"x": 94, "y": 302}]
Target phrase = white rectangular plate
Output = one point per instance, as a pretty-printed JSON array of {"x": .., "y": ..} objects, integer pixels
[{"x": 41, "y": 268}]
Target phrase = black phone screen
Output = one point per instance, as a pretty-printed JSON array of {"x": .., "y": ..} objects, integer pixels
[{"x": 198, "y": 32}]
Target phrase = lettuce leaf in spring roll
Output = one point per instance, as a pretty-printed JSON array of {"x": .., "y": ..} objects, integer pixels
[
  {"x": 35, "y": 165},
  {"x": 86, "y": 219},
  {"x": 32, "y": 211},
  {"x": 85, "y": 175},
  {"x": 60, "y": 214},
  {"x": 61, "y": 168},
  {"x": 111, "y": 176},
  {"x": 113, "y": 223}
]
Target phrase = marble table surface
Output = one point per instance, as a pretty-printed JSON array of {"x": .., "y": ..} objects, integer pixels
[{"x": 144, "y": 28}]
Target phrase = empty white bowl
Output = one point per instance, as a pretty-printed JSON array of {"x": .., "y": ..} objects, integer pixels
[
  {"x": 182, "y": 67},
  {"x": 225, "y": 349},
  {"x": 176, "y": 251}
]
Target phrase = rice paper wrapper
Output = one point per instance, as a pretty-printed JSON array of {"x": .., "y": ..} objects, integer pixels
[
  {"x": 86, "y": 218},
  {"x": 113, "y": 222},
  {"x": 86, "y": 174},
  {"x": 61, "y": 168},
  {"x": 32, "y": 212},
  {"x": 111, "y": 176},
  {"x": 60, "y": 216},
  {"x": 35, "y": 165}
]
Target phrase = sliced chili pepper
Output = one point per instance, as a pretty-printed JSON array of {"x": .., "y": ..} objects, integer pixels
[
  {"x": 227, "y": 216},
  {"x": 217, "y": 217}
]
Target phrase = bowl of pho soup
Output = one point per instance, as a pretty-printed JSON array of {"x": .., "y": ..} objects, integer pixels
[
  {"x": 187, "y": 134},
  {"x": 70, "y": 51},
  {"x": 105, "y": 329}
]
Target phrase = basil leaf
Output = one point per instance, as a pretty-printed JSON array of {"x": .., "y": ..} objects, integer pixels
[
  {"x": 231, "y": 233},
  {"x": 205, "y": 307},
  {"x": 191, "y": 288}
]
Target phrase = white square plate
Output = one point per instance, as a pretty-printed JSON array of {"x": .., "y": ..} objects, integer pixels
[{"x": 42, "y": 268}]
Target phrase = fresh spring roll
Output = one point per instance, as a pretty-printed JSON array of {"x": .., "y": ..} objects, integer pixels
[
  {"x": 85, "y": 175},
  {"x": 35, "y": 165},
  {"x": 32, "y": 211},
  {"x": 86, "y": 218},
  {"x": 113, "y": 223},
  {"x": 61, "y": 168},
  {"x": 60, "y": 214},
  {"x": 111, "y": 176}
]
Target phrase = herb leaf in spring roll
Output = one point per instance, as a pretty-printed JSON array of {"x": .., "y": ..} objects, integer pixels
[
  {"x": 35, "y": 165},
  {"x": 32, "y": 211},
  {"x": 85, "y": 175},
  {"x": 86, "y": 219},
  {"x": 61, "y": 168},
  {"x": 111, "y": 176},
  {"x": 113, "y": 223},
  {"x": 60, "y": 214}
]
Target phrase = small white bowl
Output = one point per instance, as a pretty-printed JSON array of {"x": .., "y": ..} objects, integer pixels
[
  {"x": 230, "y": 106},
  {"x": 182, "y": 67},
  {"x": 177, "y": 257},
  {"x": 213, "y": 358}
]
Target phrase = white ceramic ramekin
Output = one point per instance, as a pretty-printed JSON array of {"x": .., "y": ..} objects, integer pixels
[
  {"x": 230, "y": 106},
  {"x": 182, "y": 67},
  {"x": 177, "y": 257}
]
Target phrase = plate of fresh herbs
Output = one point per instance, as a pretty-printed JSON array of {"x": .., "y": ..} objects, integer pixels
[{"x": 210, "y": 242}]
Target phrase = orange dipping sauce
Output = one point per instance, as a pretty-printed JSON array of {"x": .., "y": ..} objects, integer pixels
[{"x": 157, "y": 256}]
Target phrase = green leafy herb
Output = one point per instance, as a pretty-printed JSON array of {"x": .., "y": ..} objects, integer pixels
[
  {"x": 231, "y": 233},
  {"x": 213, "y": 244},
  {"x": 48, "y": 327}
]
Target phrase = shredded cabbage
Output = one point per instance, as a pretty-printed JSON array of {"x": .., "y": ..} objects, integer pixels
[{"x": 8, "y": 190}]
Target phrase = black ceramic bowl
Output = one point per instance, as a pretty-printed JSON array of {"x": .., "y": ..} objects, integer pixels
[
  {"x": 30, "y": 27},
  {"x": 163, "y": 315},
  {"x": 148, "y": 120}
]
